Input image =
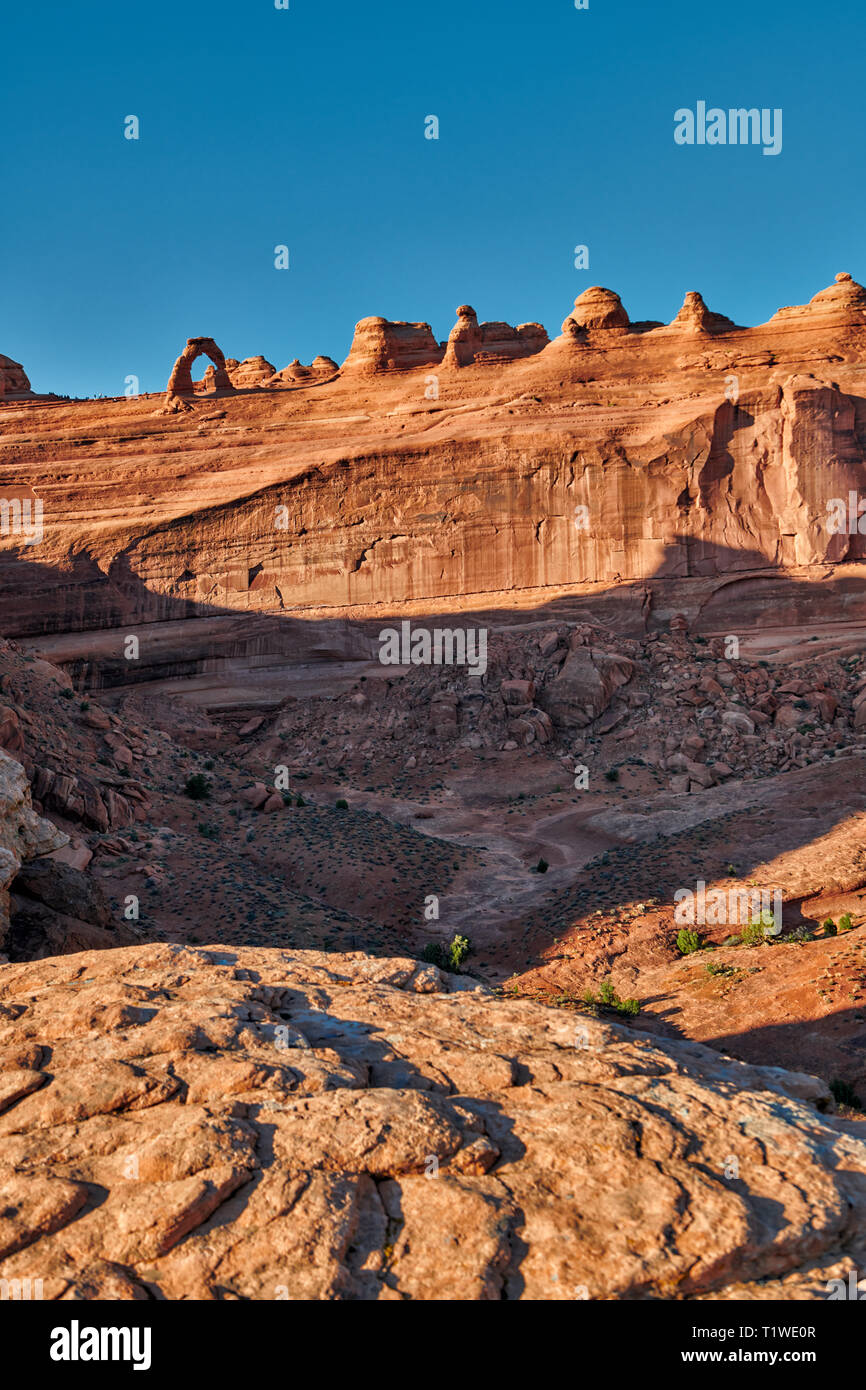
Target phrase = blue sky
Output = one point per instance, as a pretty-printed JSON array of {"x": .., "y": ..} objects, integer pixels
[{"x": 305, "y": 127}]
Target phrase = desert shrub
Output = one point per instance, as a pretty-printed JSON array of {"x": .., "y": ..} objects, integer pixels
[
  {"x": 688, "y": 941},
  {"x": 829, "y": 927},
  {"x": 845, "y": 922},
  {"x": 197, "y": 787},
  {"x": 608, "y": 998},
  {"x": 844, "y": 1094},
  {"x": 449, "y": 957},
  {"x": 800, "y": 933},
  {"x": 612, "y": 774},
  {"x": 716, "y": 968},
  {"x": 458, "y": 951},
  {"x": 753, "y": 934},
  {"x": 342, "y": 804},
  {"x": 300, "y": 801},
  {"x": 542, "y": 866}
]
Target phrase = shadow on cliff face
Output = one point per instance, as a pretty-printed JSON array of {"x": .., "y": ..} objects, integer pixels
[{"x": 717, "y": 589}]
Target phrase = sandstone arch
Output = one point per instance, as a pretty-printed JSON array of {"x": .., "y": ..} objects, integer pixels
[{"x": 180, "y": 388}]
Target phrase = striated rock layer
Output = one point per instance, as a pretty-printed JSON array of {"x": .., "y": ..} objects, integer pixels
[
  {"x": 260, "y": 1124},
  {"x": 696, "y": 453}
]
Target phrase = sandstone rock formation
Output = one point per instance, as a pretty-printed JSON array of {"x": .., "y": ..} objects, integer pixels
[
  {"x": 596, "y": 308},
  {"x": 698, "y": 454},
  {"x": 320, "y": 369},
  {"x": 180, "y": 384},
  {"x": 23, "y": 834},
  {"x": 470, "y": 342},
  {"x": 695, "y": 317},
  {"x": 380, "y": 345},
  {"x": 583, "y": 688},
  {"x": 236, "y": 1123},
  {"x": 14, "y": 384},
  {"x": 464, "y": 340},
  {"x": 253, "y": 371},
  {"x": 841, "y": 304}
]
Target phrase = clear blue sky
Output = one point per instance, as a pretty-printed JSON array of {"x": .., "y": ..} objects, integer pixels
[{"x": 306, "y": 127}]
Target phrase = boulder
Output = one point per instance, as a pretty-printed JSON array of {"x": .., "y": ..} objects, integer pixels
[{"x": 584, "y": 686}]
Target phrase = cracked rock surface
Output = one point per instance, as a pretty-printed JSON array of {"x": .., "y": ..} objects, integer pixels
[{"x": 245, "y": 1123}]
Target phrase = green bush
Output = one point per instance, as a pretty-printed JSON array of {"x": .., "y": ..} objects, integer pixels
[
  {"x": 688, "y": 941},
  {"x": 542, "y": 866},
  {"x": 197, "y": 787},
  {"x": 342, "y": 804},
  {"x": 830, "y": 927},
  {"x": 458, "y": 951},
  {"x": 608, "y": 998},
  {"x": 753, "y": 934},
  {"x": 845, "y": 922},
  {"x": 449, "y": 957}
]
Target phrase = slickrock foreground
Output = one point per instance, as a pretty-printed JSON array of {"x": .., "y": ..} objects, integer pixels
[{"x": 262, "y": 1124}]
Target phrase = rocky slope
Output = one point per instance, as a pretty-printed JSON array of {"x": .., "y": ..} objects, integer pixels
[{"x": 265, "y": 1124}]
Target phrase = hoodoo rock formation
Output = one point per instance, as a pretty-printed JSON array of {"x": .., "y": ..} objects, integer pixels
[
  {"x": 464, "y": 340},
  {"x": 180, "y": 384}
]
